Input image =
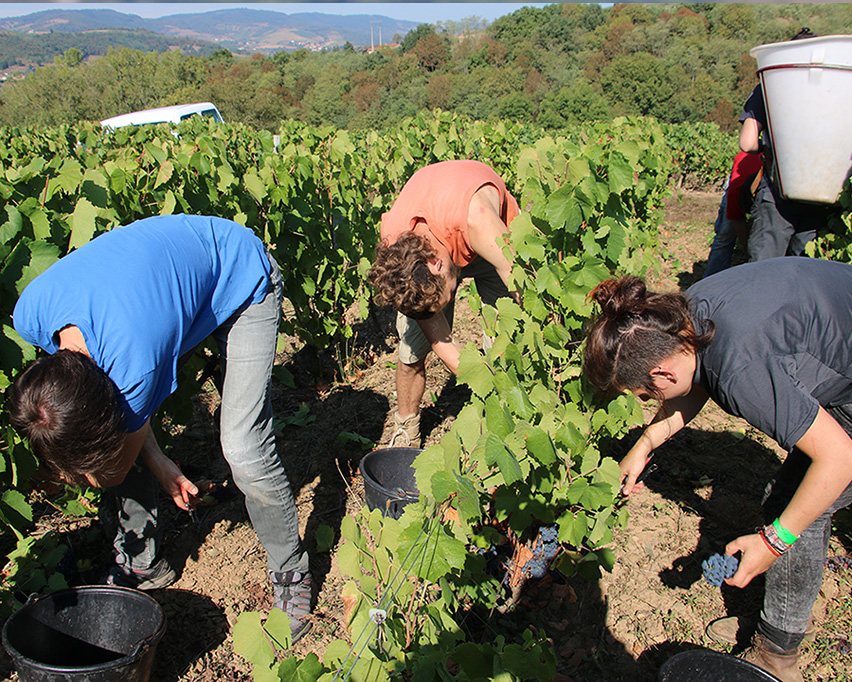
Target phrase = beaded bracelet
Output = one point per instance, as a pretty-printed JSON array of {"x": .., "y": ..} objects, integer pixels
[
  {"x": 767, "y": 543},
  {"x": 771, "y": 537},
  {"x": 786, "y": 536}
]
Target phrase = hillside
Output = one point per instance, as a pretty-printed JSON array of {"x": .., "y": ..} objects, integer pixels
[
  {"x": 26, "y": 49},
  {"x": 246, "y": 30}
]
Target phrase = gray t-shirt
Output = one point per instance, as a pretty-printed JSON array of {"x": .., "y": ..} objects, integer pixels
[{"x": 783, "y": 341}]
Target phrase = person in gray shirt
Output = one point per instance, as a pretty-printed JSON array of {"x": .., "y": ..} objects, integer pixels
[{"x": 770, "y": 342}]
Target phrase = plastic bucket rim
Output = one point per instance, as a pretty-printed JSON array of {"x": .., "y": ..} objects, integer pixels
[
  {"x": 393, "y": 495},
  {"x": 799, "y": 43},
  {"x": 150, "y": 640},
  {"x": 740, "y": 663}
]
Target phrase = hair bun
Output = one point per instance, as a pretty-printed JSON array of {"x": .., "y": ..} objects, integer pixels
[{"x": 620, "y": 296}]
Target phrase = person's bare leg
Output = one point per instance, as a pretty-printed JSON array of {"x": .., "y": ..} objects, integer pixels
[{"x": 410, "y": 386}]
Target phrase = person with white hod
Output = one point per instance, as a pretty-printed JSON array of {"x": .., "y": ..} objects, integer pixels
[
  {"x": 115, "y": 316},
  {"x": 770, "y": 342}
]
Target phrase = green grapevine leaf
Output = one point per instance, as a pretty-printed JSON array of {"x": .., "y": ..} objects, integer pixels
[
  {"x": 165, "y": 173},
  {"x": 474, "y": 371},
  {"x": 277, "y": 626},
  {"x": 42, "y": 256},
  {"x": 324, "y": 538},
  {"x": 16, "y": 509},
  {"x": 436, "y": 552},
  {"x": 573, "y": 528},
  {"x": 250, "y": 642},
  {"x": 496, "y": 454},
  {"x": 82, "y": 223},
  {"x": 540, "y": 446},
  {"x": 255, "y": 186},
  {"x": 498, "y": 421},
  {"x": 477, "y": 661}
]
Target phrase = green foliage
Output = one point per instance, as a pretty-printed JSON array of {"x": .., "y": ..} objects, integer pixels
[
  {"x": 552, "y": 66},
  {"x": 702, "y": 153},
  {"x": 836, "y": 242},
  {"x": 524, "y": 452},
  {"x": 31, "y": 569},
  {"x": 43, "y": 48}
]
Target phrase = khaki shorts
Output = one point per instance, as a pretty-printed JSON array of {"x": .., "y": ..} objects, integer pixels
[{"x": 413, "y": 344}]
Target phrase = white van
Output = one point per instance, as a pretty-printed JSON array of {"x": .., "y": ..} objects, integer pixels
[{"x": 173, "y": 114}]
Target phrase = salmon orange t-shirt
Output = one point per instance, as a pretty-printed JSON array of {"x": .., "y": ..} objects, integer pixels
[{"x": 439, "y": 195}]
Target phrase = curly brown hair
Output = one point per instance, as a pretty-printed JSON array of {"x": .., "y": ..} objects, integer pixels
[
  {"x": 402, "y": 279},
  {"x": 635, "y": 331}
]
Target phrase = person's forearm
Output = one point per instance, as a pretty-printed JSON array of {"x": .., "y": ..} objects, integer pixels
[
  {"x": 151, "y": 453},
  {"x": 750, "y": 136},
  {"x": 820, "y": 487},
  {"x": 672, "y": 416},
  {"x": 449, "y": 353},
  {"x": 830, "y": 472},
  {"x": 168, "y": 473}
]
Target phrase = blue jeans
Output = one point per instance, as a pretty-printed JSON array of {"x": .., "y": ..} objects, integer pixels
[
  {"x": 247, "y": 344},
  {"x": 794, "y": 580},
  {"x": 724, "y": 241}
]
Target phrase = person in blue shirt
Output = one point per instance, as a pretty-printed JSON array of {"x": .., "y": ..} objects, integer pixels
[{"x": 116, "y": 316}]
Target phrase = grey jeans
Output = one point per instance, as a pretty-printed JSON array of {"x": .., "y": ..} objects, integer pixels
[
  {"x": 779, "y": 226},
  {"x": 794, "y": 580},
  {"x": 247, "y": 343}
]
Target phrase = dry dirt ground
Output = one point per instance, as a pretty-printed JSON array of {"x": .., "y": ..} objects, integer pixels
[{"x": 623, "y": 627}]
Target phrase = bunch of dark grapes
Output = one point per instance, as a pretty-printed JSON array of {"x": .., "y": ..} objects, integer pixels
[
  {"x": 837, "y": 563},
  {"x": 545, "y": 549},
  {"x": 719, "y": 568},
  {"x": 494, "y": 563}
]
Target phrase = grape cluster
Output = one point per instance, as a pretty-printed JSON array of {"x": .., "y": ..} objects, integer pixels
[
  {"x": 718, "y": 568},
  {"x": 837, "y": 563},
  {"x": 545, "y": 549}
]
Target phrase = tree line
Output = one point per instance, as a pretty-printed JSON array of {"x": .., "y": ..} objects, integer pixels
[
  {"x": 552, "y": 66},
  {"x": 23, "y": 49}
]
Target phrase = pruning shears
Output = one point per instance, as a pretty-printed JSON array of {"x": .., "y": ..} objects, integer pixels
[{"x": 650, "y": 468}]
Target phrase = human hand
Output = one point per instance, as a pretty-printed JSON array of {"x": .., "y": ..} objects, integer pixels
[
  {"x": 183, "y": 491},
  {"x": 756, "y": 558},
  {"x": 634, "y": 464}
]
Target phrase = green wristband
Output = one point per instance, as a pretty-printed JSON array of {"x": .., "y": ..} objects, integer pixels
[{"x": 785, "y": 535}]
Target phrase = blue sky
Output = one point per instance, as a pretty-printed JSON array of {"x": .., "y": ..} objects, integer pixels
[{"x": 413, "y": 11}]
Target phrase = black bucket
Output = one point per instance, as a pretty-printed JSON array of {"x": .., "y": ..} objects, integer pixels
[
  {"x": 389, "y": 482},
  {"x": 85, "y": 634},
  {"x": 703, "y": 665}
]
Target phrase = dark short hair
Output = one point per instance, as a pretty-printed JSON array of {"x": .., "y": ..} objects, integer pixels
[
  {"x": 804, "y": 33},
  {"x": 66, "y": 407}
]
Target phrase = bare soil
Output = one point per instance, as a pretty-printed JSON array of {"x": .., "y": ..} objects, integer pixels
[{"x": 622, "y": 627}]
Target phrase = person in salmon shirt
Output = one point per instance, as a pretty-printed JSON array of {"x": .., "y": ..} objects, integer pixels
[{"x": 449, "y": 222}]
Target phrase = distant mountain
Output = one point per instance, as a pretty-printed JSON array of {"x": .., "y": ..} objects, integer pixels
[
  {"x": 41, "y": 48},
  {"x": 248, "y": 30}
]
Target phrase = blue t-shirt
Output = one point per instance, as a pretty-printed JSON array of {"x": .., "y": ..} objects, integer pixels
[{"x": 142, "y": 296}]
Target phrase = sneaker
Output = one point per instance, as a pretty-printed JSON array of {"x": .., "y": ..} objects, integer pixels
[
  {"x": 292, "y": 593},
  {"x": 160, "y": 575}
]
